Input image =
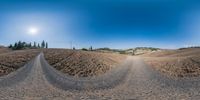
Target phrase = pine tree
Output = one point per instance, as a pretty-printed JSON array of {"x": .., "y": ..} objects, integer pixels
[
  {"x": 10, "y": 46},
  {"x": 15, "y": 46},
  {"x": 34, "y": 45},
  {"x": 19, "y": 45},
  {"x": 23, "y": 45},
  {"x": 90, "y": 48},
  {"x": 46, "y": 45},
  {"x": 43, "y": 44},
  {"x": 38, "y": 45},
  {"x": 30, "y": 45}
]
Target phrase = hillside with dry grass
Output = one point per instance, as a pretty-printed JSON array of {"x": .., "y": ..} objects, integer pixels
[
  {"x": 176, "y": 63},
  {"x": 82, "y": 63}
]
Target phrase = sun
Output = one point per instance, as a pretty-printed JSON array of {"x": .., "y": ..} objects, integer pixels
[{"x": 33, "y": 31}]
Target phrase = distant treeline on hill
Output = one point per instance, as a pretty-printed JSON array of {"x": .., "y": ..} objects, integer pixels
[
  {"x": 23, "y": 45},
  {"x": 189, "y": 47},
  {"x": 146, "y": 48}
]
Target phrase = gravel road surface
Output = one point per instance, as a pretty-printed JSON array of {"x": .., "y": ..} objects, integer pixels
[{"x": 131, "y": 80}]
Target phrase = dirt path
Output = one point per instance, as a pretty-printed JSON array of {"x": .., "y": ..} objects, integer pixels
[
  {"x": 34, "y": 86},
  {"x": 133, "y": 80}
]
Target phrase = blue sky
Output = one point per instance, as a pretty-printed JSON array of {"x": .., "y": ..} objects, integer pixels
[{"x": 102, "y": 23}]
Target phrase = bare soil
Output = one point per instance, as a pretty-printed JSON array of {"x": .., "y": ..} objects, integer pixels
[
  {"x": 40, "y": 81},
  {"x": 176, "y": 63},
  {"x": 4, "y": 50},
  {"x": 12, "y": 60},
  {"x": 82, "y": 63}
]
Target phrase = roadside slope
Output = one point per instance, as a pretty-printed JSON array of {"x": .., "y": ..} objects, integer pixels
[
  {"x": 67, "y": 82},
  {"x": 82, "y": 63},
  {"x": 184, "y": 63}
]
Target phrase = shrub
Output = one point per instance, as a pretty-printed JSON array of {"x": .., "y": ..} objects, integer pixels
[{"x": 84, "y": 49}]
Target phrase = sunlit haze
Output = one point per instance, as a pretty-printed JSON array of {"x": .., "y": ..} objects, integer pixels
[{"x": 33, "y": 31}]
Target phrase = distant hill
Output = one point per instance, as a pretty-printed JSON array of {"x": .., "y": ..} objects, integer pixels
[
  {"x": 189, "y": 47},
  {"x": 141, "y": 50},
  {"x": 108, "y": 50},
  {"x": 1, "y": 46},
  {"x": 131, "y": 51}
]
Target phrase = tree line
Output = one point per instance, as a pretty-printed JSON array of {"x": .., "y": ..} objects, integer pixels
[{"x": 23, "y": 45}]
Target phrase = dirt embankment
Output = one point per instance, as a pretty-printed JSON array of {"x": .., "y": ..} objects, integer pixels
[
  {"x": 82, "y": 63},
  {"x": 176, "y": 63},
  {"x": 11, "y": 61}
]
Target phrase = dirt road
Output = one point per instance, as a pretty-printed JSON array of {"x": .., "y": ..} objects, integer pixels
[{"x": 132, "y": 80}]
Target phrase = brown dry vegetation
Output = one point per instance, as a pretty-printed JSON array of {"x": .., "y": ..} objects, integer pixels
[
  {"x": 11, "y": 61},
  {"x": 4, "y": 50},
  {"x": 82, "y": 63},
  {"x": 176, "y": 63}
]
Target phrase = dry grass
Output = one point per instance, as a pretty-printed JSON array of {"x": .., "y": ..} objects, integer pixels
[
  {"x": 4, "y": 50},
  {"x": 82, "y": 63},
  {"x": 176, "y": 63},
  {"x": 11, "y": 61}
]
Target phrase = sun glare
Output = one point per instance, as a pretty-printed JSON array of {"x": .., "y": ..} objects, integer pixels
[{"x": 33, "y": 31}]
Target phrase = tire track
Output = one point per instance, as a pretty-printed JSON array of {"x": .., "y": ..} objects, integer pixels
[{"x": 17, "y": 76}]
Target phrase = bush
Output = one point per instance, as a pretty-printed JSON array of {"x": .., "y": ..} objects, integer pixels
[
  {"x": 84, "y": 49},
  {"x": 122, "y": 52}
]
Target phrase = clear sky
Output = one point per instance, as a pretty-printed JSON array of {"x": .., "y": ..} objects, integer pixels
[{"x": 102, "y": 23}]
